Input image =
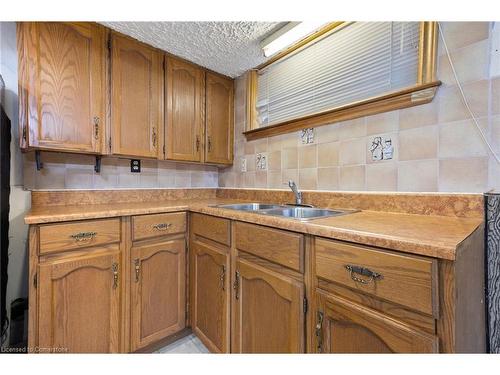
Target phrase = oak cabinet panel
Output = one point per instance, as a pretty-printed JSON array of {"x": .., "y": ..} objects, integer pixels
[
  {"x": 136, "y": 98},
  {"x": 268, "y": 314},
  {"x": 210, "y": 295},
  {"x": 62, "y": 86},
  {"x": 158, "y": 291},
  {"x": 184, "y": 108},
  {"x": 346, "y": 327},
  {"x": 219, "y": 119},
  {"x": 79, "y": 302}
]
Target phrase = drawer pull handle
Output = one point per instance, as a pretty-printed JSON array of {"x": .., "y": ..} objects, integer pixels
[
  {"x": 114, "y": 268},
  {"x": 236, "y": 285},
  {"x": 162, "y": 226},
  {"x": 372, "y": 276},
  {"x": 83, "y": 236}
]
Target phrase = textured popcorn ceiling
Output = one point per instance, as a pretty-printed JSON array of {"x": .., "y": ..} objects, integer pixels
[{"x": 229, "y": 48}]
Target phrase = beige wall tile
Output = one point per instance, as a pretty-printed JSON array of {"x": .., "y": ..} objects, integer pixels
[
  {"x": 420, "y": 115},
  {"x": 274, "y": 143},
  {"x": 352, "y": 128},
  {"x": 261, "y": 179},
  {"x": 250, "y": 162},
  {"x": 471, "y": 63},
  {"x": 463, "y": 175},
  {"x": 249, "y": 179},
  {"x": 289, "y": 158},
  {"x": 495, "y": 132},
  {"x": 460, "y": 139},
  {"x": 289, "y": 140},
  {"x": 308, "y": 179},
  {"x": 418, "y": 143},
  {"x": 79, "y": 178},
  {"x": 460, "y": 34},
  {"x": 328, "y": 154},
  {"x": 308, "y": 156},
  {"x": 352, "y": 152},
  {"x": 386, "y": 122},
  {"x": 382, "y": 176},
  {"x": 352, "y": 178},
  {"x": 495, "y": 98},
  {"x": 274, "y": 161},
  {"x": 327, "y": 133},
  {"x": 452, "y": 107},
  {"x": 418, "y": 175},
  {"x": 274, "y": 180},
  {"x": 328, "y": 178},
  {"x": 289, "y": 174}
]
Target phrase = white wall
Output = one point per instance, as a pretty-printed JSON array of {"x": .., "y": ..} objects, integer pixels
[{"x": 19, "y": 199}]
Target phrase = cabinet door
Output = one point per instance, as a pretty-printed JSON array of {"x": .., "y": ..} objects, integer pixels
[
  {"x": 210, "y": 297},
  {"x": 79, "y": 302},
  {"x": 184, "y": 102},
  {"x": 62, "y": 86},
  {"x": 136, "y": 99},
  {"x": 219, "y": 120},
  {"x": 268, "y": 312},
  {"x": 158, "y": 291},
  {"x": 346, "y": 327}
]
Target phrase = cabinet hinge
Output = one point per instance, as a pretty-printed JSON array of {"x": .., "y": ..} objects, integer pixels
[
  {"x": 109, "y": 43},
  {"x": 110, "y": 144},
  {"x": 35, "y": 280},
  {"x": 304, "y": 305},
  {"x": 24, "y": 133},
  {"x": 164, "y": 151}
]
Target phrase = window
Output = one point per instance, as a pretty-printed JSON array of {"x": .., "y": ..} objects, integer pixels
[{"x": 356, "y": 69}]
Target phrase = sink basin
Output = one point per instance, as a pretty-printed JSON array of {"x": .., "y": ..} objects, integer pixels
[
  {"x": 250, "y": 206},
  {"x": 305, "y": 213}
]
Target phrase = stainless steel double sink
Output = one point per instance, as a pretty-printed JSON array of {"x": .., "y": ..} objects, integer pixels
[{"x": 288, "y": 211}]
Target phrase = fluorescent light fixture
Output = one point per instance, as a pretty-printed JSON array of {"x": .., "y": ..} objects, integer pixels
[{"x": 289, "y": 34}]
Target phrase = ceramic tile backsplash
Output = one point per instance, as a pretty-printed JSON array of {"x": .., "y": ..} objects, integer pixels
[
  {"x": 436, "y": 146},
  {"x": 72, "y": 171}
]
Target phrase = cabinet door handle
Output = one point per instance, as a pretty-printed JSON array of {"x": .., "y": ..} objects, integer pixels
[
  {"x": 223, "y": 278},
  {"x": 319, "y": 332},
  {"x": 114, "y": 268},
  {"x": 197, "y": 143},
  {"x": 153, "y": 135},
  {"x": 162, "y": 226},
  {"x": 96, "y": 127},
  {"x": 236, "y": 285},
  {"x": 209, "y": 141},
  {"x": 372, "y": 276},
  {"x": 83, "y": 236},
  {"x": 137, "y": 267}
]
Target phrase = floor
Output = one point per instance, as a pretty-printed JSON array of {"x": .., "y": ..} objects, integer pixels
[{"x": 187, "y": 345}]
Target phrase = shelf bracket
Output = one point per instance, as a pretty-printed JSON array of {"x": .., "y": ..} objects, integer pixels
[
  {"x": 97, "y": 165},
  {"x": 38, "y": 159}
]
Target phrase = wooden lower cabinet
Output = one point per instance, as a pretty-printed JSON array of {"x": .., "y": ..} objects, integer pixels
[
  {"x": 79, "y": 302},
  {"x": 268, "y": 314},
  {"x": 210, "y": 296},
  {"x": 158, "y": 291},
  {"x": 343, "y": 326}
]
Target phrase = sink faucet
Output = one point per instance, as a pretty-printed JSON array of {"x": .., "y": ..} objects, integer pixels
[{"x": 298, "y": 194}]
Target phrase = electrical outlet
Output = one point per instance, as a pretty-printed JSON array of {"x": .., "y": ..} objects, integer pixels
[
  {"x": 243, "y": 164},
  {"x": 261, "y": 162},
  {"x": 135, "y": 166}
]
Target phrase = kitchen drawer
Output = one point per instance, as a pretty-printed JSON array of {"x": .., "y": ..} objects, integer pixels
[
  {"x": 69, "y": 236},
  {"x": 149, "y": 226},
  {"x": 403, "y": 279},
  {"x": 211, "y": 227},
  {"x": 278, "y": 246}
]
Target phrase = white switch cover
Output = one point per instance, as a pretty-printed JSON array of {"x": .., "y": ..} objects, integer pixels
[
  {"x": 261, "y": 162},
  {"x": 243, "y": 164}
]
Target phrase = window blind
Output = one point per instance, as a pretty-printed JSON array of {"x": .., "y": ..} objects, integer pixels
[{"x": 357, "y": 62}]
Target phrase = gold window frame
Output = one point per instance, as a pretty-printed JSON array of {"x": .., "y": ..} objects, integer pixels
[{"x": 421, "y": 93}]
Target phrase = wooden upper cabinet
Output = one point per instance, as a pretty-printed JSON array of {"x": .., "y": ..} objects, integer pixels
[
  {"x": 268, "y": 315},
  {"x": 79, "y": 302},
  {"x": 219, "y": 119},
  {"x": 158, "y": 291},
  {"x": 184, "y": 108},
  {"x": 136, "y": 98},
  {"x": 210, "y": 295},
  {"x": 62, "y": 86},
  {"x": 346, "y": 327}
]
